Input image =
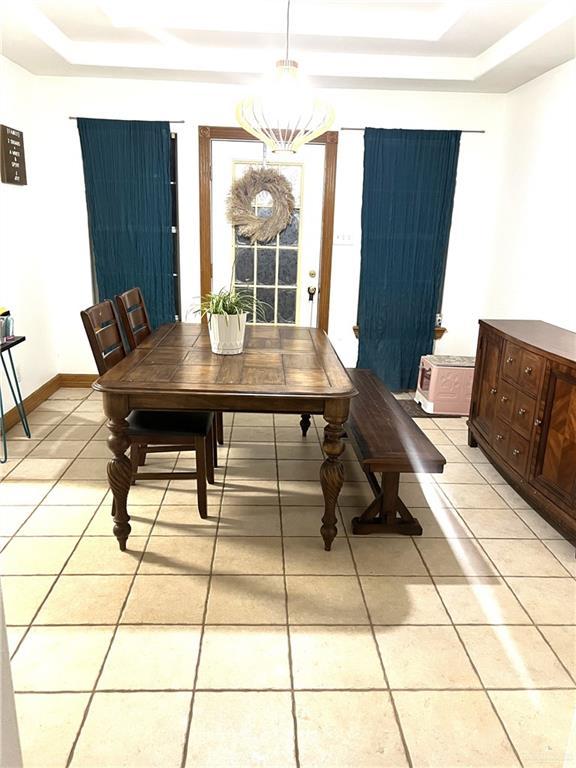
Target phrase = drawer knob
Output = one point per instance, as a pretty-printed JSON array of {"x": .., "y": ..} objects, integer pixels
[
  {"x": 528, "y": 371},
  {"x": 504, "y": 399},
  {"x": 537, "y": 422},
  {"x": 493, "y": 390},
  {"x": 515, "y": 452},
  {"x": 509, "y": 360},
  {"x": 521, "y": 411},
  {"x": 499, "y": 437}
]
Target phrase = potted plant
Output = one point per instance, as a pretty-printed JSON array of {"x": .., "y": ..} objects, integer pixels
[{"x": 227, "y": 312}]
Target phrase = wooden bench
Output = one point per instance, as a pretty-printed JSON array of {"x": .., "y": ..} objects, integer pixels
[{"x": 388, "y": 442}]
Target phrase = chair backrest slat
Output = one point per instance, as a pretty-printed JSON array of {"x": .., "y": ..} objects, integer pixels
[
  {"x": 103, "y": 334},
  {"x": 133, "y": 316}
]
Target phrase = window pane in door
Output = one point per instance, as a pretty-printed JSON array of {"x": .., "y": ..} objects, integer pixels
[
  {"x": 267, "y": 295},
  {"x": 289, "y": 235},
  {"x": 288, "y": 267},
  {"x": 287, "y": 305},
  {"x": 241, "y": 239},
  {"x": 245, "y": 265},
  {"x": 266, "y": 266}
]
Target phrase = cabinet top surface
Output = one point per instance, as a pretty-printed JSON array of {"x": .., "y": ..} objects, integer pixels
[{"x": 548, "y": 338}]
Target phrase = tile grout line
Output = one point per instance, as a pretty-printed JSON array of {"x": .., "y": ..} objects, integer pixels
[
  {"x": 286, "y": 607},
  {"x": 538, "y": 625},
  {"x": 190, "y": 716},
  {"x": 113, "y": 637},
  {"x": 532, "y": 622},
  {"x": 542, "y": 541},
  {"x": 278, "y": 623},
  {"x": 462, "y": 643},
  {"x": 564, "y": 575},
  {"x": 54, "y": 481},
  {"x": 304, "y": 689},
  {"x": 377, "y": 647},
  {"x": 56, "y": 580},
  {"x": 311, "y": 574}
]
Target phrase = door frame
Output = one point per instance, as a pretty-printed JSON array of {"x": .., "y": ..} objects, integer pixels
[{"x": 206, "y": 135}]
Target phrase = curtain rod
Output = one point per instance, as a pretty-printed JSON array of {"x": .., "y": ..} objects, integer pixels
[
  {"x": 75, "y": 117},
  {"x": 363, "y": 129}
]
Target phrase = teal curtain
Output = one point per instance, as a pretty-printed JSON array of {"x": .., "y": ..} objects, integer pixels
[
  {"x": 127, "y": 180},
  {"x": 407, "y": 199}
]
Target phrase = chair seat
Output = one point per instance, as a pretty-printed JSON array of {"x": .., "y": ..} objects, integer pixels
[{"x": 174, "y": 425}]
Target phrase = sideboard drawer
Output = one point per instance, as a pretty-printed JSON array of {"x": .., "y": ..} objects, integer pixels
[
  {"x": 505, "y": 403},
  {"x": 511, "y": 362},
  {"x": 523, "y": 414},
  {"x": 500, "y": 437},
  {"x": 531, "y": 367},
  {"x": 517, "y": 450}
]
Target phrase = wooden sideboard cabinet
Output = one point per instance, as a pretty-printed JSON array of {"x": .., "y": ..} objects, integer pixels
[{"x": 523, "y": 413}]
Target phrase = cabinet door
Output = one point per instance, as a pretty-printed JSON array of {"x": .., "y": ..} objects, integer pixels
[
  {"x": 531, "y": 368},
  {"x": 523, "y": 414},
  {"x": 505, "y": 400},
  {"x": 485, "y": 406},
  {"x": 517, "y": 452},
  {"x": 511, "y": 362},
  {"x": 555, "y": 467}
]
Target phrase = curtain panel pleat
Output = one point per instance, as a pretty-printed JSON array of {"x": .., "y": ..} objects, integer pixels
[
  {"x": 407, "y": 200},
  {"x": 129, "y": 200}
]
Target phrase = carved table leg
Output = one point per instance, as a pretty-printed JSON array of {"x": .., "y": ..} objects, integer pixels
[
  {"x": 332, "y": 469},
  {"x": 305, "y": 423},
  {"x": 119, "y": 467}
]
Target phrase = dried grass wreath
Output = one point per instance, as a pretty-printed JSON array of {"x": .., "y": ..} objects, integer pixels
[{"x": 242, "y": 194}]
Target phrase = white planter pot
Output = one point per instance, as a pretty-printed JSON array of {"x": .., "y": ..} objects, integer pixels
[{"x": 227, "y": 333}]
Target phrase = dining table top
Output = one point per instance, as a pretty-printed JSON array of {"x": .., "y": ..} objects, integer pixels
[{"x": 277, "y": 361}]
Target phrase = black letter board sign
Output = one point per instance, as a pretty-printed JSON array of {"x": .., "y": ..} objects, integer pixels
[{"x": 12, "y": 165}]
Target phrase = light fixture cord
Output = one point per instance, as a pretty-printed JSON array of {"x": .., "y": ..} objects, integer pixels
[{"x": 287, "y": 28}]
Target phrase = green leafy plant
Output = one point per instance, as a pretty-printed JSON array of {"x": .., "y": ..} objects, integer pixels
[{"x": 228, "y": 301}]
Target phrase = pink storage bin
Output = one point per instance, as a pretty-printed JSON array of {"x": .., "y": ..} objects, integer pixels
[{"x": 445, "y": 384}]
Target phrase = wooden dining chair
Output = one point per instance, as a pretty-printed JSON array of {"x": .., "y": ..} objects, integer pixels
[
  {"x": 153, "y": 431},
  {"x": 133, "y": 316},
  {"x": 136, "y": 324}
]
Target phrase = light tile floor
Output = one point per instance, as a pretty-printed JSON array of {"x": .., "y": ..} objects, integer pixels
[{"x": 237, "y": 641}]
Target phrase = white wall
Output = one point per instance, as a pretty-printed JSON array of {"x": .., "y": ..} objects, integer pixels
[
  {"x": 54, "y": 255},
  {"x": 197, "y": 104},
  {"x": 26, "y": 257},
  {"x": 534, "y": 270}
]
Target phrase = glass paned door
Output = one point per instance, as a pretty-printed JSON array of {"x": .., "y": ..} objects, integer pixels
[{"x": 280, "y": 271}]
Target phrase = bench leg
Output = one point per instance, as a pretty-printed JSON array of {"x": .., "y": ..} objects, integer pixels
[
  {"x": 387, "y": 513},
  {"x": 305, "y": 423}
]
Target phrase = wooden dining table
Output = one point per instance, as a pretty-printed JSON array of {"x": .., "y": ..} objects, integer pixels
[{"x": 282, "y": 369}]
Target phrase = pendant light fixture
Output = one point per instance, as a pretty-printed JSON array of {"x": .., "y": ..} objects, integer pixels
[{"x": 284, "y": 114}]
